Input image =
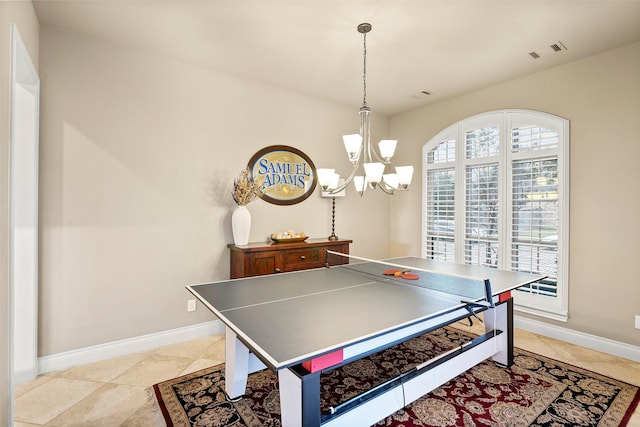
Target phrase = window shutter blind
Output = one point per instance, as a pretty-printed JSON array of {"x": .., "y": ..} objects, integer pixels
[
  {"x": 482, "y": 147},
  {"x": 443, "y": 153},
  {"x": 439, "y": 242},
  {"x": 534, "y": 216},
  {"x": 440, "y": 205},
  {"x": 481, "y": 215},
  {"x": 482, "y": 143},
  {"x": 532, "y": 138}
]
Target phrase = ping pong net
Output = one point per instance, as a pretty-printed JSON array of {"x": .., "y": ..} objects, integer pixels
[{"x": 470, "y": 289}]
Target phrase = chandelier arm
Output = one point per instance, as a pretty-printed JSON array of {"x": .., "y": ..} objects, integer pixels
[
  {"x": 365, "y": 132},
  {"x": 359, "y": 156},
  {"x": 347, "y": 180},
  {"x": 379, "y": 159},
  {"x": 368, "y": 158},
  {"x": 386, "y": 188}
]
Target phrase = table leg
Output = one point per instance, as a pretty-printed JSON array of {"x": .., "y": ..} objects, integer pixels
[
  {"x": 236, "y": 365},
  {"x": 299, "y": 398},
  {"x": 239, "y": 363},
  {"x": 501, "y": 318}
]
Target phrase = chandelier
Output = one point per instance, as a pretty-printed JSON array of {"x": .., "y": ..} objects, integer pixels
[{"x": 368, "y": 167}]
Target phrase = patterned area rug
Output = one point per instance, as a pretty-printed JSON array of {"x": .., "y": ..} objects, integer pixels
[{"x": 535, "y": 391}]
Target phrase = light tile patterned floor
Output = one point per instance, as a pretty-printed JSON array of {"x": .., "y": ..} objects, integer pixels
[{"x": 115, "y": 392}]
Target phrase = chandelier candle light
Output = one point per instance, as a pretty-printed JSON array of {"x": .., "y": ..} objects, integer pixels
[{"x": 361, "y": 154}]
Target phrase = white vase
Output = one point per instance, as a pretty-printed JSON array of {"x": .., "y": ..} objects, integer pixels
[{"x": 241, "y": 225}]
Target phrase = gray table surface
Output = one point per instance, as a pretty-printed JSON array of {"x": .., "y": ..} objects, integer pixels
[{"x": 294, "y": 316}]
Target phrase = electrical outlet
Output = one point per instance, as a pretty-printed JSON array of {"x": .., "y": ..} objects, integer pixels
[
  {"x": 637, "y": 321},
  {"x": 191, "y": 305}
]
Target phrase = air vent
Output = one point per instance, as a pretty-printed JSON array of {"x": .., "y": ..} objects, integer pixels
[
  {"x": 557, "y": 47},
  {"x": 552, "y": 48}
]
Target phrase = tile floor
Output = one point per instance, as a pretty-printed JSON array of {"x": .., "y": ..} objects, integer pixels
[{"x": 115, "y": 392}]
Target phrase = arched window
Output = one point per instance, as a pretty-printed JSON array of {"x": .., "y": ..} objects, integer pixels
[{"x": 496, "y": 193}]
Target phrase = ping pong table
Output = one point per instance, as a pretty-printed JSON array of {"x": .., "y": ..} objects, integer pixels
[{"x": 301, "y": 324}]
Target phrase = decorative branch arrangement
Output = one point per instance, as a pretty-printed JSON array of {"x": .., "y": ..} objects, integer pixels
[{"x": 245, "y": 189}]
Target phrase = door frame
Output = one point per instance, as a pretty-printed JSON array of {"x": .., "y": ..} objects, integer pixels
[{"x": 23, "y": 214}]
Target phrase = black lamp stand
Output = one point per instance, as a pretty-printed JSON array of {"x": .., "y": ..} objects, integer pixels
[{"x": 333, "y": 220}]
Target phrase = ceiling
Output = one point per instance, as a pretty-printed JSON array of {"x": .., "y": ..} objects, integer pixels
[{"x": 445, "y": 47}]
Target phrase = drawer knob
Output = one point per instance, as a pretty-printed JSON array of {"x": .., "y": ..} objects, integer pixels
[{"x": 302, "y": 257}]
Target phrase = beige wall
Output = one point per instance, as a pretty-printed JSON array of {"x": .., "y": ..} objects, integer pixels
[
  {"x": 600, "y": 96},
  {"x": 138, "y": 157},
  {"x": 23, "y": 15},
  {"x": 139, "y": 153}
]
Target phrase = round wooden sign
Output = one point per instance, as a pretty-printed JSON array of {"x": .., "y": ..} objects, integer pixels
[{"x": 287, "y": 176}]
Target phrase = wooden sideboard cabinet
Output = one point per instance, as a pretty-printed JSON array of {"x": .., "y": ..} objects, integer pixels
[{"x": 257, "y": 259}]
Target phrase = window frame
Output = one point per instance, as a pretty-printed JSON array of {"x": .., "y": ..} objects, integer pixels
[{"x": 553, "y": 308}]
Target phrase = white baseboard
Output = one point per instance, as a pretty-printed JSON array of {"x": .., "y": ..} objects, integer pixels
[
  {"x": 593, "y": 342},
  {"x": 69, "y": 359}
]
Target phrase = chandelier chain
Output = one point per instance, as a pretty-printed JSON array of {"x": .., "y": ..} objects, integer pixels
[{"x": 364, "y": 73}]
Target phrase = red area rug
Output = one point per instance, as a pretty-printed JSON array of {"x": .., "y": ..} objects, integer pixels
[{"x": 535, "y": 391}]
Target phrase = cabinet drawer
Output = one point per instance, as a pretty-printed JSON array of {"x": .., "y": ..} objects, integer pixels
[
  {"x": 301, "y": 259},
  {"x": 262, "y": 263}
]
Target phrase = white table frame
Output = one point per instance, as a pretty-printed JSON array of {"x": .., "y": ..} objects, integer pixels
[{"x": 300, "y": 389}]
